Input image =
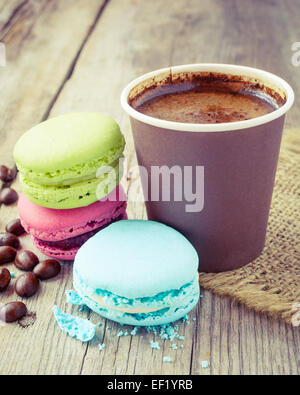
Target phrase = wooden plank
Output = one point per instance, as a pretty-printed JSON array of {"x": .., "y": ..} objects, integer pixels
[
  {"x": 7, "y": 11},
  {"x": 149, "y": 35},
  {"x": 243, "y": 342}
]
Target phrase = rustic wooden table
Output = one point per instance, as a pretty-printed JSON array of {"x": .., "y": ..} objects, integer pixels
[{"x": 77, "y": 55}]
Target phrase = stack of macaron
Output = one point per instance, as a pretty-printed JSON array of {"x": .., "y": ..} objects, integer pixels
[{"x": 69, "y": 170}]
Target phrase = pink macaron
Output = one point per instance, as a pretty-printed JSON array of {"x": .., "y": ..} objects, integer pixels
[{"x": 60, "y": 233}]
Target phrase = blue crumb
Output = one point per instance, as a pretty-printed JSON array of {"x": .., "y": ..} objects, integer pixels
[
  {"x": 12, "y": 275},
  {"x": 75, "y": 327},
  {"x": 74, "y": 298},
  {"x": 185, "y": 319},
  {"x": 166, "y": 332},
  {"x": 167, "y": 359},
  {"x": 204, "y": 364},
  {"x": 101, "y": 347},
  {"x": 174, "y": 346},
  {"x": 134, "y": 331},
  {"x": 123, "y": 333},
  {"x": 152, "y": 329},
  {"x": 155, "y": 345},
  {"x": 99, "y": 324}
]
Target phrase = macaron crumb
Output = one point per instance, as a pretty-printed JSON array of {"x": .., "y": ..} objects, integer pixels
[
  {"x": 169, "y": 332},
  {"x": 134, "y": 331},
  {"x": 12, "y": 275},
  {"x": 204, "y": 364},
  {"x": 185, "y": 319},
  {"x": 155, "y": 345},
  {"x": 99, "y": 324},
  {"x": 72, "y": 297},
  {"x": 75, "y": 327},
  {"x": 166, "y": 332},
  {"x": 167, "y": 359},
  {"x": 174, "y": 346},
  {"x": 101, "y": 347},
  {"x": 122, "y": 333},
  {"x": 152, "y": 329}
]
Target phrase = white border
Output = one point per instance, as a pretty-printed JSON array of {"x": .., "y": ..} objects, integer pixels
[{"x": 264, "y": 76}]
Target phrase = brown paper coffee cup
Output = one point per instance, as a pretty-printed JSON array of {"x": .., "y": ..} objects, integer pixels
[{"x": 229, "y": 167}]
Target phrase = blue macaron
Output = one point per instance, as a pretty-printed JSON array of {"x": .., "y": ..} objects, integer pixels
[{"x": 138, "y": 272}]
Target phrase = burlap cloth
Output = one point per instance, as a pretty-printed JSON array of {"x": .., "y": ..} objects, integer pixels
[{"x": 271, "y": 283}]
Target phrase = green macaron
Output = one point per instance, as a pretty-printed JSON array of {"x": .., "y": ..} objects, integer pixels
[{"x": 71, "y": 160}]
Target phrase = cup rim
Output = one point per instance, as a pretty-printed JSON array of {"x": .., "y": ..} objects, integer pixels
[{"x": 208, "y": 127}]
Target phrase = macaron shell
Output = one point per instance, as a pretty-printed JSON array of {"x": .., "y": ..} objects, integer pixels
[
  {"x": 76, "y": 195},
  {"x": 55, "y": 253},
  {"x": 74, "y": 174},
  {"x": 52, "y": 224},
  {"x": 152, "y": 257},
  {"x": 88, "y": 136}
]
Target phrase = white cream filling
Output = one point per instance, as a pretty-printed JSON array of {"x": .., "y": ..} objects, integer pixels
[{"x": 136, "y": 310}]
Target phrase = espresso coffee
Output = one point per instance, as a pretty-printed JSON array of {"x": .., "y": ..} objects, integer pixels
[
  {"x": 226, "y": 170},
  {"x": 205, "y": 100}
]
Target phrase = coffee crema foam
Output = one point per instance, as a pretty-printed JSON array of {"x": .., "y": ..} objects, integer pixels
[{"x": 206, "y": 98}]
